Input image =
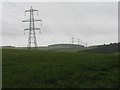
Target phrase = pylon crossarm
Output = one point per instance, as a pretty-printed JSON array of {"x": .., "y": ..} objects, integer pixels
[
  {"x": 37, "y": 20},
  {"x": 26, "y": 29},
  {"x": 27, "y": 11},
  {"x": 26, "y": 21},
  {"x": 34, "y": 10},
  {"x": 31, "y": 20},
  {"x": 32, "y": 28},
  {"x": 31, "y": 10},
  {"x": 36, "y": 28}
]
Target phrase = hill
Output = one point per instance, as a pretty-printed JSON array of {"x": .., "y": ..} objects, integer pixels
[
  {"x": 7, "y": 47},
  {"x": 66, "y": 47},
  {"x": 109, "y": 48}
]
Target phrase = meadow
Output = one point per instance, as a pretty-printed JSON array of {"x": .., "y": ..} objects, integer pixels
[{"x": 55, "y": 69}]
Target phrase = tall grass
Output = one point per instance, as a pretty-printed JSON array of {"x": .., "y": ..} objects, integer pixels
[{"x": 53, "y": 69}]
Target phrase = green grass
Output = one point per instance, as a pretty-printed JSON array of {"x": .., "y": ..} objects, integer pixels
[{"x": 53, "y": 69}]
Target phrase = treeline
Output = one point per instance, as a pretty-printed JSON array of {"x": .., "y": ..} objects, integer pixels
[{"x": 109, "y": 48}]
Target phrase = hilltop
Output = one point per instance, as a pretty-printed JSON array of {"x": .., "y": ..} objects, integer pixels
[{"x": 66, "y": 47}]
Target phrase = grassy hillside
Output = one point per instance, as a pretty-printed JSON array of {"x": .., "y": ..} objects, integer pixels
[
  {"x": 110, "y": 48},
  {"x": 48, "y": 69}
]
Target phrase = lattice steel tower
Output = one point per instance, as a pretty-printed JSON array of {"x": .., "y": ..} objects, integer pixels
[{"x": 32, "y": 42}]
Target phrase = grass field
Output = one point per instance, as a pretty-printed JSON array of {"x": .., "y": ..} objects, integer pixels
[{"x": 53, "y": 69}]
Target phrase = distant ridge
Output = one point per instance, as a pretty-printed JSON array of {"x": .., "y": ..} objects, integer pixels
[
  {"x": 65, "y": 47},
  {"x": 7, "y": 46},
  {"x": 109, "y": 48}
]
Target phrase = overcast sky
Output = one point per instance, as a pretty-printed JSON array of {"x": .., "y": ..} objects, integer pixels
[{"x": 91, "y": 22}]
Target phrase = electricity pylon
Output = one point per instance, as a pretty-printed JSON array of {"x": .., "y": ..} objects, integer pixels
[
  {"x": 32, "y": 36},
  {"x": 78, "y": 41},
  {"x": 72, "y": 40}
]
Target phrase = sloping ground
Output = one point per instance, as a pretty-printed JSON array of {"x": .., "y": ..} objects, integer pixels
[
  {"x": 110, "y": 48},
  {"x": 53, "y": 69},
  {"x": 66, "y": 47}
]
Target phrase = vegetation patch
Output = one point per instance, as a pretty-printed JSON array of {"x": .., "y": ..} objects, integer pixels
[{"x": 54, "y": 69}]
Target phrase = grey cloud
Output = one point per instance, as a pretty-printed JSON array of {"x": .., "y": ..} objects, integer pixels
[{"x": 94, "y": 22}]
